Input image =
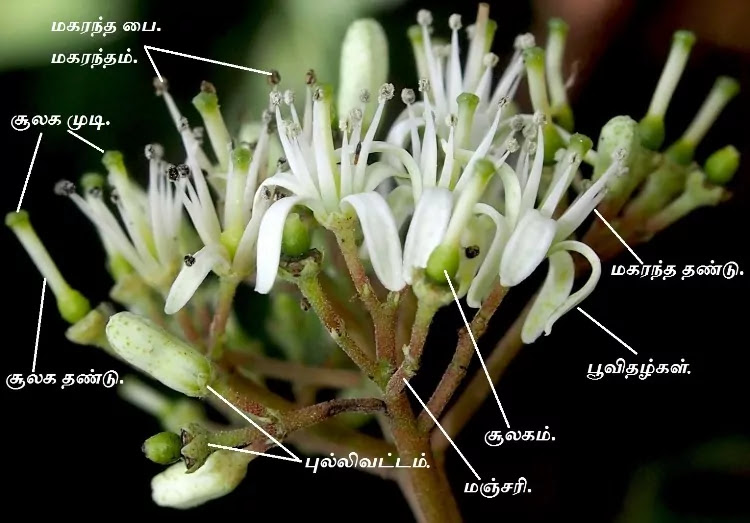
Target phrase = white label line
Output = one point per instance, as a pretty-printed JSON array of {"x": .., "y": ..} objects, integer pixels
[
  {"x": 84, "y": 140},
  {"x": 249, "y": 420},
  {"x": 476, "y": 348},
  {"x": 442, "y": 429},
  {"x": 38, "y": 325},
  {"x": 605, "y": 329},
  {"x": 28, "y": 174},
  {"x": 147, "y": 47},
  {"x": 245, "y": 451},
  {"x": 618, "y": 237}
]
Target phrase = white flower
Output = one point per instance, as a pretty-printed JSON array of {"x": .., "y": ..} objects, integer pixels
[
  {"x": 229, "y": 242},
  {"x": 316, "y": 181},
  {"x": 467, "y": 92},
  {"x": 219, "y": 476},
  {"x": 149, "y": 241}
]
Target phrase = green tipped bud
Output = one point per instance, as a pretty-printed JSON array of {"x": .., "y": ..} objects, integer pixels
[
  {"x": 160, "y": 354},
  {"x": 533, "y": 57},
  {"x": 114, "y": 162},
  {"x": 241, "y": 157},
  {"x": 728, "y": 86},
  {"x": 651, "y": 130},
  {"x": 621, "y": 132},
  {"x": 558, "y": 25},
  {"x": 445, "y": 258},
  {"x": 721, "y": 165},
  {"x": 163, "y": 448},
  {"x": 206, "y": 101},
  {"x": 364, "y": 65},
  {"x": 467, "y": 107},
  {"x": 295, "y": 240},
  {"x": 73, "y": 306},
  {"x": 552, "y": 142},
  {"x": 683, "y": 38},
  {"x": 681, "y": 152},
  {"x": 580, "y": 144},
  {"x": 723, "y": 90},
  {"x": 91, "y": 181},
  {"x": 207, "y": 104},
  {"x": 491, "y": 29}
]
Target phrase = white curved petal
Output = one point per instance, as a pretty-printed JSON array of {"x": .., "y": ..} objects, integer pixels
[
  {"x": 190, "y": 278},
  {"x": 582, "y": 293},
  {"x": 427, "y": 228},
  {"x": 481, "y": 286},
  {"x": 381, "y": 236},
  {"x": 243, "y": 256},
  {"x": 269, "y": 242},
  {"x": 527, "y": 247},
  {"x": 555, "y": 290},
  {"x": 401, "y": 203},
  {"x": 377, "y": 173},
  {"x": 286, "y": 180}
]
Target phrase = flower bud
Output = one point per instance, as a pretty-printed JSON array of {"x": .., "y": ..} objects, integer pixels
[
  {"x": 364, "y": 65},
  {"x": 220, "y": 475},
  {"x": 721, "y": 165},
  {"x": 160, "y": 354},
  {"x": 163, "y": 448}
]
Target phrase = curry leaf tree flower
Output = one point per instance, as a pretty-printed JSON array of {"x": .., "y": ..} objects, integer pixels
[
  {"x": 317, "y": 181},
  {"x": 451, "y": 84},
  {"x": 228, "y": 240},
  {"x": 220, "y": 475}
]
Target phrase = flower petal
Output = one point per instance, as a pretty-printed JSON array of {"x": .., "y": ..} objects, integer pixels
[
  {"x": 190, "y": 277},
  {"x": 427, "y": 228},
  {"x": 555, "y": 290},
  {"x": 269, "y": 242},
  {"x": 381, "y": 236},
  {"x": 527, "y": 247},
  {"x": 481, "y": 285},
  {"x": 582, "y": 293}
]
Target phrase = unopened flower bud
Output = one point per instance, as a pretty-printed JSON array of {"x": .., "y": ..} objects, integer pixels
[
  {"x": 159, "y": 353},
  {"x": 162, "y": 448}
]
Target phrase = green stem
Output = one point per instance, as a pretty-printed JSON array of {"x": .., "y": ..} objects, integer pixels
[
  {"x": 227, "y": 289},
  {"x": 309, "y": 285}
]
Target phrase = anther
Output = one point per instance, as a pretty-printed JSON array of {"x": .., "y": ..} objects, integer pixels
[
  {"x": 490, "y": 60},
  {"x": 289, "y": 97},
  {"x": 424, "y": 85},
  {"x": 189, "y": 260},
  {"x": 424, "y": 18},
  {"x": 540, "y": 118},
  {"x": 386, "y": 92},
  {"x": 524, "y": 41},
  {"x": 512, "y": 145},
  {"x": 207, "y": 87},
  {"x": 451, "y": 120},
  {"x": 408, "y": 96},
  {"x": 282, "y": 164},
  {"x": 184, "y": 170},
  {"x": 65, "y": 188},
  {"x": 184, "y": 124},
  {"x": 364, "y": 96},
  {"x": 472, "y": 251},
  {"x": 160, "y": 85},
  {"x": 516, "y": 123},
  {"x": 172, "y": 173},
  {"x": 267, "y": 194},
  {"x": 275, "y": 98},
  {"x": 355, "y": 115},
  {"x": 310, "y": 78},
  {"x": 454, "y": 22},
  {"x": 317, "y": 94},
  {"x": 154, "y": 151},
  {"x": 274, "y": 78}
]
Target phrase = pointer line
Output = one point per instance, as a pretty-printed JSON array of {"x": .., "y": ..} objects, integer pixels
[
  {"x": 147, "y": 47},
  {"x": 84, "y": 140},
  {"x": 38, "y": 325},
  {"x": 618, "y": 237},
  {"x": 245, "y": 451},
  {"x": 476, "y": 348},
  {"x": 28, "y": 174},
  {"x": 605, "y": 329}
]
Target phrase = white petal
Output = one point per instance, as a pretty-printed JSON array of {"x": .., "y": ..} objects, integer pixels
[
  {"x": 269, "y": 242},
  {"x": 427, "y": 228},
  {"x": 490, "y": 267},
  {"x": 527, "y": 247},
  {"x": 190, "y": 278},
  {"x": 555, "y": 290},
  {"x": 582, "y": 293},
  {"x": 401, "y": 203},
  {"x": 531, "y": 189},
  {"x": 381, "y": 236}
]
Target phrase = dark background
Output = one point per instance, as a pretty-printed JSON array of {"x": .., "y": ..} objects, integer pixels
[{"x": 77, "y": 451}]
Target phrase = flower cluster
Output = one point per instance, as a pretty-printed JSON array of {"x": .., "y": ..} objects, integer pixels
[{"x": 463, "y": 190}]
